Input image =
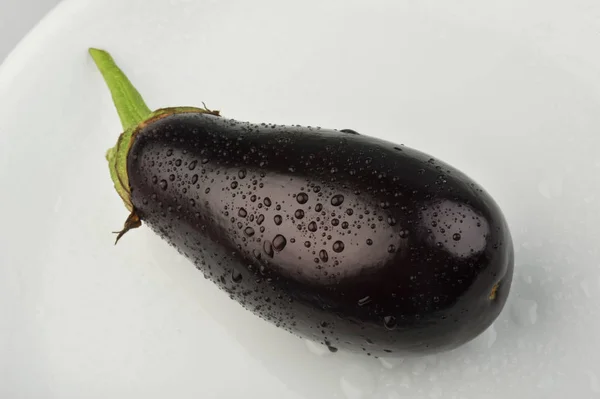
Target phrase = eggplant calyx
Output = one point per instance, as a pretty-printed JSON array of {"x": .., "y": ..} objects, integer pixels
[{"x": 134, "y": 115}]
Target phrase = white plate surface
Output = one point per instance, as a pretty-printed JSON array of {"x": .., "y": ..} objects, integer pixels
[{"x": 508, "y": 91}]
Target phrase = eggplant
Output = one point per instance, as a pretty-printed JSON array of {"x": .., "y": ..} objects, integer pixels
[{"x": 337, "y": 237}]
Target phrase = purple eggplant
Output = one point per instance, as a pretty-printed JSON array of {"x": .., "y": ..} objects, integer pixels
[{"x": 338, "y": 237}]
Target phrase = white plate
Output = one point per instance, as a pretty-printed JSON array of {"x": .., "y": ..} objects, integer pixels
[{"x": 507, "y": 91}]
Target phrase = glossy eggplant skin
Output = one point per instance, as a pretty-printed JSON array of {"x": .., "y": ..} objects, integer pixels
[{"x": 337, "y": 237}]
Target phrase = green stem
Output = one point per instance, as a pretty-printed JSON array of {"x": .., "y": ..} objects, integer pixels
[
  {"x": 129, "y": 103},
  {"x": 134, "y": 115},
  {"x": 132, "y": 111}
]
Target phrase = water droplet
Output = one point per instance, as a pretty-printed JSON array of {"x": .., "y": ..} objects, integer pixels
[
  {"x": 302, "y": 198},
  {"x": 594, "y": 381},
  {"x": 349, "y": 212},
  {"x": 551, "y": 186},
  {"x": 456, "y": 237},
  {"x": 364, "y": 301},
  {"x": 268, "y": 248},
  {"x": 389, "y": 322},
  {"x": 242, "y": 173},
  {"x": 338, "y": 246},
  {"x": 391, "y": 362},
  {"x": 234, "y": 184},
  {"x": 323, "y": 255},
  {"x": 317, "y": 348},
  {"x": 524, "y": 312},
  {"x": 486, "y": 339},
  {"x": 369, "y": 241},
  {"x": 194, "y": 179},
  {"x": 192, "y": 165},
  {"x": 169, "y": 152},
  {"x": 154, "y": 179},
  {"x": 192, "y": 202},
  {"x": 299, "y": 214},
  {"x": 307, "y": 244},
  {"x": 256, "y": 253},
  {"x": 267, "y": 201},
  {"x": 585, "y": 287},
  {"x": 335, "y": 222},
  {"x": 277, "y": 219},
  {"x": 172, "y": 177},
  {"x": 345, "y": 225},
  {"x": 242, "y": 213},
  {"x": 207, "y": 190},
  {"x": 279, "y": 242},
  {"x": 312, "y": 226},
  {"x": 163, "y": 184},
  {"x": 316, "y": 189},
  {"x": 357, "y": 383},
  {"x": 204, "y": 161},
  {"x": 404, "y": 234},
  {"x": 236, "y": 276},
  {"x": 178, "y": 163},
  {"x": 337, "y": 200},
  {"x": 391, "y": 249},
  {"x": 249, "y": 231},
  {"x": 391, "y": 221}
]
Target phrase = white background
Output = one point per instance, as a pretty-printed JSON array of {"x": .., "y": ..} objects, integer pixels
[{"x": 17, "y": 17}]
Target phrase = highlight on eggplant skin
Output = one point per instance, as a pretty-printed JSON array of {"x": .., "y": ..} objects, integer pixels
[{"x": 338, "y": 237}]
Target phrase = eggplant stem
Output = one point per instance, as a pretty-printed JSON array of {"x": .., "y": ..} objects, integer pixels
[
  {"x": 132, "y": 112},
  {"x": 210, "y": 111},
  {"x": 132, "y": 222},
  {"x": 129, "y": 103},
  {"x": 134, "y": 115}
]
